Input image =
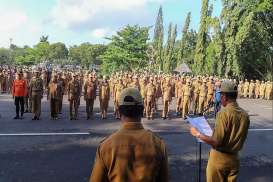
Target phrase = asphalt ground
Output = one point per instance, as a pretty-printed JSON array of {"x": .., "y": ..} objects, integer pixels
[{"x": 64, "y": 150}]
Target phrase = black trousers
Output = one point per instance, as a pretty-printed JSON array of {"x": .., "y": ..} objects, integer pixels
[{"x": 19, "y": 103}]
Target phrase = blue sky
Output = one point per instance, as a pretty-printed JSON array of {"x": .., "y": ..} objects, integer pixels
[{"x": 76, "y": 21}]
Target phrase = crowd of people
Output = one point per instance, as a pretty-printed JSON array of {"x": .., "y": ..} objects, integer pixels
[{"x": 193, "y": 94}]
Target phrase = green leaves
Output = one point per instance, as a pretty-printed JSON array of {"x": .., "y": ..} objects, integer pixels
[{"x": 127, "y": 50}]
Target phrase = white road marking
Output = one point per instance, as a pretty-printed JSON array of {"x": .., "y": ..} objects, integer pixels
[{"x": 86, "y": 133}]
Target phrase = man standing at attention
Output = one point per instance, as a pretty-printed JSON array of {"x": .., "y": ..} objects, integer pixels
[
  {"x": 228, "y": 138},
  {"x": 132, "y": 153}
]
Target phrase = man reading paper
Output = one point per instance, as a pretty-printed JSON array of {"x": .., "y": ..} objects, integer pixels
[{"x": 229, "y": 135}]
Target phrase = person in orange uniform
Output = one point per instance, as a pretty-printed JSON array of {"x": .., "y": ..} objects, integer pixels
[
  {"x": 19, "y": 90},
  {"x": 132, "y": 153}
]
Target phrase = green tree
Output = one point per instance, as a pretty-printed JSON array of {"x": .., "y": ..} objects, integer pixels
[
  {"x": 158, "y": 39},
  {"x": 127, "y": 50},
  {"x": 202, "y": 41},
  {"x": 184, "y": 40},
  {"x": 169, "y": 49},
  {"x": 58, "y": 51}
]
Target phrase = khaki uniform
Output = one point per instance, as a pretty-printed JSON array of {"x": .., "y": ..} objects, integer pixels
[
  {"x": 119, "y": 87},
  {"x": 246, "y": 87},
  {"x": 268, "y": 91},
  {"x": 74, "y": 93},
  {"x": 230, "y": 132},
  {"x": 257, "y": 89},
  {"x": 202, "y": 97},
  {"x": 179, "y": 96},
  {"x": 240, "y": 89},
  {"x": 150, "y": 100},
  {"x": 54, "y": 95},
  {"x": 36, "y": 94},
  {"x": 186, "y": 92},
  {"x": 196, "y": 92},
  {"x": 262, "y": 90},
  {"x": 62, "y": 83},
  {"x": 104, "y": 97},
  {"x": 167, "y": 98},
  {"x": 131, "y": 154},
  {"x": 90, "y": 88},
  {"x": 251, "y": 90},
  {"x": 210, "y": 93}
]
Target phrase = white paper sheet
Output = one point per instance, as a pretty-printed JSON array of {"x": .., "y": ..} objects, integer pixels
[{"x": 201, "y": 124}]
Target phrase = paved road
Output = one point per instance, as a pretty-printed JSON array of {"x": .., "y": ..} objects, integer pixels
[{"x": 69, "y": 158}]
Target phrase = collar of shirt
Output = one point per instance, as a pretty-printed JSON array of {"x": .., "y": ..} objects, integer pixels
[
  {"x": 132, "y": 126},
  {"x": 232, "y": 104}
]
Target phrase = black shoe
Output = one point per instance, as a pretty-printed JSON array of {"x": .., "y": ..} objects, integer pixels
[{"x": 16, "y": 117}]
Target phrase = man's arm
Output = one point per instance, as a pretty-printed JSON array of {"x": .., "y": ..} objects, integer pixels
[{"x": 99, "y": 172}]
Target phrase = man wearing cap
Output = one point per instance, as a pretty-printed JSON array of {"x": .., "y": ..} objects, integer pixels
[
  {"x": 150, "y": 98},
  {"x": 251, "y": 89},
  {"x": 187, "y": 94},
  {"x": 90, "y": 88},
  {"x": 54, "y": 95},
  {"x": 246, "y": 87},
  {"x": 132, "y": 153},
  {"x": 228, "y": 138},
  {"x": 166, "y": 97},
  {"x": 74, "y": 93},
  {"x": 36, "y": 94},
  {"x": 262, "y": 90},
  {"x": 202, "y": 96},
  {"x": 104, "y": 97}
]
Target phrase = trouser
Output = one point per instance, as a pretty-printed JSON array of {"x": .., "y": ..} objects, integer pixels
[
  {"x": 149, "y": 107},
  {"x": 73, "y": 108},
  {"x": 19, "y": 104},
  {"x": 117, "y": 113},
  {"x": 60, "y": 104},
  {"x": 201, "y": 104},
  {"x": 104, "y": 107},
  {"x": 89, "y": 107},
  {"x": 179, "y": 104},
  {"x": 54, "y": 108},
  {"x": 195, "y": 103},
  {"x": 222, "y": 167},
  {"x": 186, "y": 106},
  {"x": 36, "y": 105},
  {"x": 165, "y": 111},
  {"x": 245, "y": 93},
  {"x": 251, "y": 94},
  {"x": 209, "y": 99}
]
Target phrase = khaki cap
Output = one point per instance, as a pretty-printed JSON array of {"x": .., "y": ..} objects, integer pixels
[
  {"x": 130, "y": 97},
  {"x": 228, "y": 87}
]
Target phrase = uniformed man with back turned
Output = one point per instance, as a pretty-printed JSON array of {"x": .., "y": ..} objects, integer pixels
[
  {"x": 228, "y": 138},
  {"x": 132, "y": 153}
]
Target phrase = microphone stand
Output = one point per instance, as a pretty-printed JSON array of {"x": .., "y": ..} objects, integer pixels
[{"x": 210, "y": 105}]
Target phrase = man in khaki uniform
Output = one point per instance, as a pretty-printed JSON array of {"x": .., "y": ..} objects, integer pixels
[
  {"x": 74, "y": 93},
  {"x": 36, "y": 94},
  {"x": 27, "y": 99},
  {"x": 210, "y": 86},
  {"x": 179, "y": 96},
  {"x": 228, "y": 138},
  {"x": 150, "y": 99},
  {"x": 167, "y": 97},
  {"x": 62, "y": 83},
  {"x": 54, "y": 96},
  {"x": 268, "y": 90},
  {"x": 240, "y": 89},
  {"x": 196, "y": 91},
  {"x": 262, "y": 90},
  {"x": 186, "y": 93},
  {"x": 246, "y": 87},
  {"x": 90, "y": 88},
  {"x": 118, "y": 89},
  {"x": 132, "y": 153},
  {"x": 202, "y": 96},
  {"x": 257, "y": 89},
  {"x": 104, "y": 97},
  {"x": 251, "y": 89}
]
